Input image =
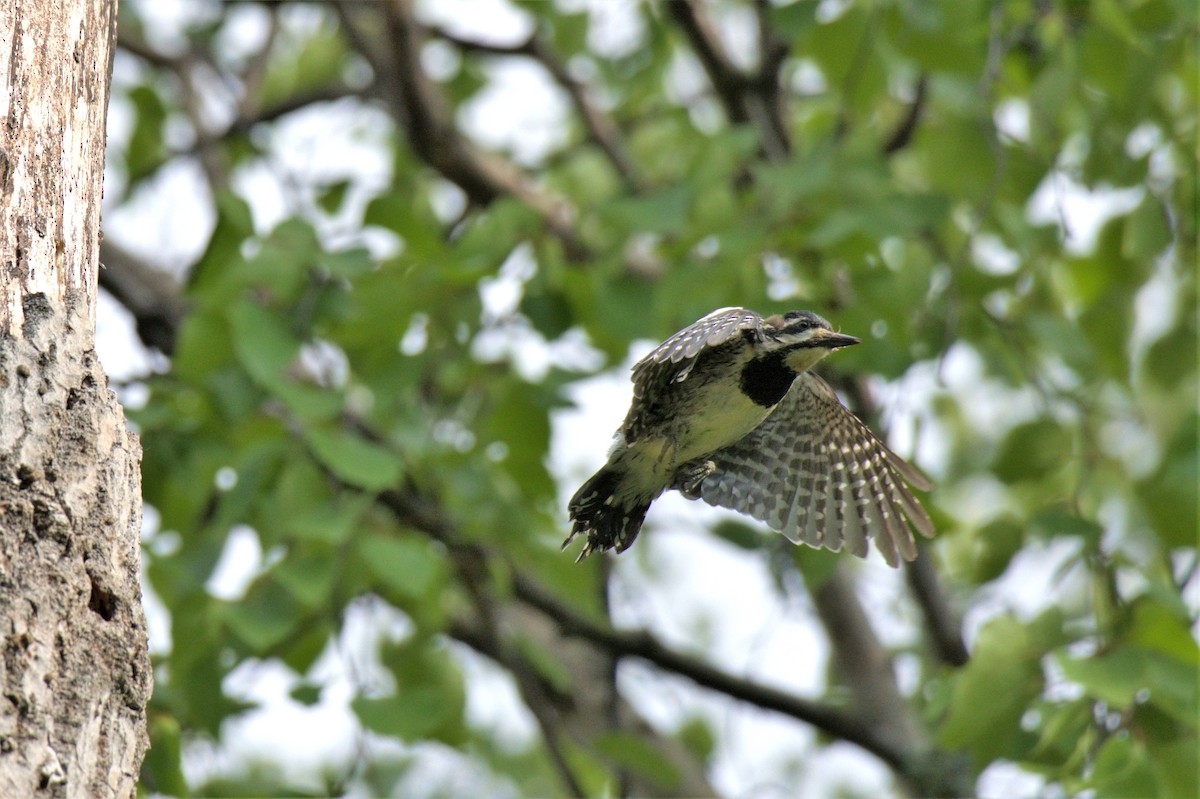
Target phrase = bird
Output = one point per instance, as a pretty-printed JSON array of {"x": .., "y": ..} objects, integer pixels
[{"x": 727, "y": 410}]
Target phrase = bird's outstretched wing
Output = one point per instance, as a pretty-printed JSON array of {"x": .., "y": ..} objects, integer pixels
[
  {"x": 674, "y": 358},
  {"x": 815, "y": 473}
]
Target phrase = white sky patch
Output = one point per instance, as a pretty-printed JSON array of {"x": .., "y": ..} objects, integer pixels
[
  {"x": 494, "y": 21},
  {"x": 165, "y": 20},
  {"x": 687, "y": 85},
  {"x": 615, "y": 28},
  {"x": 494, "y": 703},
  {"x": 1003, "y": 780},
  {"x": 1011, "y": 118},
  {"x": 806, "y": 78},
  {"x": 121, "y": 351},
  {"x": 1078, "y": 212},
  {"x": 246, "y": 28},
  {"x": 535, "y": 106},
  {"x": 501, "y": 295},
  {"x": 240, "y": 562},
  {"x": 992, "y": 257},
  {"x": 1035, "y": 580},
  {"x": 168, "y": 220}
]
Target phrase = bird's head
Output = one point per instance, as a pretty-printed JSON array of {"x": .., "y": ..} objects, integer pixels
[{"x": 803, "y": 337}]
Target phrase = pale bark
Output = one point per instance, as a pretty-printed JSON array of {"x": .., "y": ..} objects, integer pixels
[{"x": 74, "y": 672}]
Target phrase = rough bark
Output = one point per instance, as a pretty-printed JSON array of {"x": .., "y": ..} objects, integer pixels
[{"x": 74, "y": 668}]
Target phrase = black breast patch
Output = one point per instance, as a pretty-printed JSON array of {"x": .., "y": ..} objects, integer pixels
[{"x": 766, "y": 379}]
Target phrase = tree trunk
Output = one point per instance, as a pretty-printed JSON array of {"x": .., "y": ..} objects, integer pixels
[{"x": 75, "y": 671}]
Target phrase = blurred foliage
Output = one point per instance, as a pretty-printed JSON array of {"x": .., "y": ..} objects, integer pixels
[{"x": 311, "y": 377}]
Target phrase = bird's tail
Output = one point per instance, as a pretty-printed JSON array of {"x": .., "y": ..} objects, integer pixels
[{"x": 604, "y": 519}]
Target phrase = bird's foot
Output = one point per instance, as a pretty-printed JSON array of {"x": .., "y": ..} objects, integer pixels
[{"x": 689, "y": 477}]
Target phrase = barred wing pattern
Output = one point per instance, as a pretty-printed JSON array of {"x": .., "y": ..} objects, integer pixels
[
  {"x": 815, "y": 473},
  {"x": 714, "y": 329}
]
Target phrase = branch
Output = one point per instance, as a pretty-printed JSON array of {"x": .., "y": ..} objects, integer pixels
[
  {"x": 150, "y": 295},
  {"x": 940, "y": 622},
  {"x": 533, "y": 689},
  {"x": 773, "y": 52},
  {"x": 183, "y": 67},
  {"x": 904, "y": 132},
  {"x": 602, "y": 130},
  {"x": 726, "y": 78},
  {"x": 428, "y": 118},
  {"x": 753, "y": 99},
  {"x": 643, "y": 645},
  {"x": 862, "y": 662}
]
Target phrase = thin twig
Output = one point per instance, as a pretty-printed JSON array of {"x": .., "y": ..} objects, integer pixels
[
  {"x": 904, "y": 132},
  {"x": 600, "y": 127}
]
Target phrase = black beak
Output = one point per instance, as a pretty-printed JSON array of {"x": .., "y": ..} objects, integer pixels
[{"x": 833, "y": 341}]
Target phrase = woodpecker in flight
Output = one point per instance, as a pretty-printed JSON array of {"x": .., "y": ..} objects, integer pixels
[{"x": 726, "y": 411}]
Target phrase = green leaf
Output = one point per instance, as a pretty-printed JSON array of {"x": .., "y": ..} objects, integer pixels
[
  {"x": 306, "y": 693},
  {"x": 331, "y": 197},
  {"x": 1065, "y": 735},
  {"x": 1171, "y": 360},
  {"x": 698, "y": 736},
  {"x": 412, "y": 716},
  {"x": 1147, "y": 232},
  {"x": 634, "y": 754},
  {"x": 429, "y": 699},
  {"x": 1122, "y": 770},
  {"x": 303, "y": 62},
  {"x": 1156, "y": 627},
  {"x": 1032, "y": 451},
  {"x": 408, "y": 565},
  {"x": 740, "y": 534},
  {"x": 1116, "y": 678},
  {"x": 664, "y": 212},
  {"x": 359, "y": 462},
  {"x": 162, "y": 770},
  {"x": 1168, "y": 496},
  {"x": 816, "y": 565},
  {"x": 263, "y": 344},
  {"x": 307, "y": 576},
  {"x": 327, "y": 522},
  {"x": 997, "y": 542},
  {"x": 233, "y": 226},
  {"x": 346, "y": 263},
  {"x": 991, "y": 694},
  {"x": 146, "y": 151},
  {"x": 1177, "y": 768},
  {"x": 264, "y": 618},
  {"x": 549, "y": 311},
  {"x": 519, "y": 417},
  {"x": 204, "y": 345}
]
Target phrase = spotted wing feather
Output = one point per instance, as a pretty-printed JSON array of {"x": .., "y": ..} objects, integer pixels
[
  {"x": 815, "y": 473},
  {"x": 674, "y": 358}
]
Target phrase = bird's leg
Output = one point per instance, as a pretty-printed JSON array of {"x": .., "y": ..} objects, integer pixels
[{"x": 690, "y": 475}]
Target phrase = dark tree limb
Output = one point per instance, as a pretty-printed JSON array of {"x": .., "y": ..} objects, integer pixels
[
  {"x": 728, "y": 81},
  {"x": 601, "y": 128},
  {"x": 644, "y": 646},
  {"x": 183, "y": 68},
  {"x": 862, "y": 663},
  {"x": 534, "y": 690},
  {"x": 752, "y": 99},
  {"x": 428, "y": 119},
  {"x": 150, "y": 295},
  {"x": 904, "y": 132},
  {"x": 941, "y": 625}
]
